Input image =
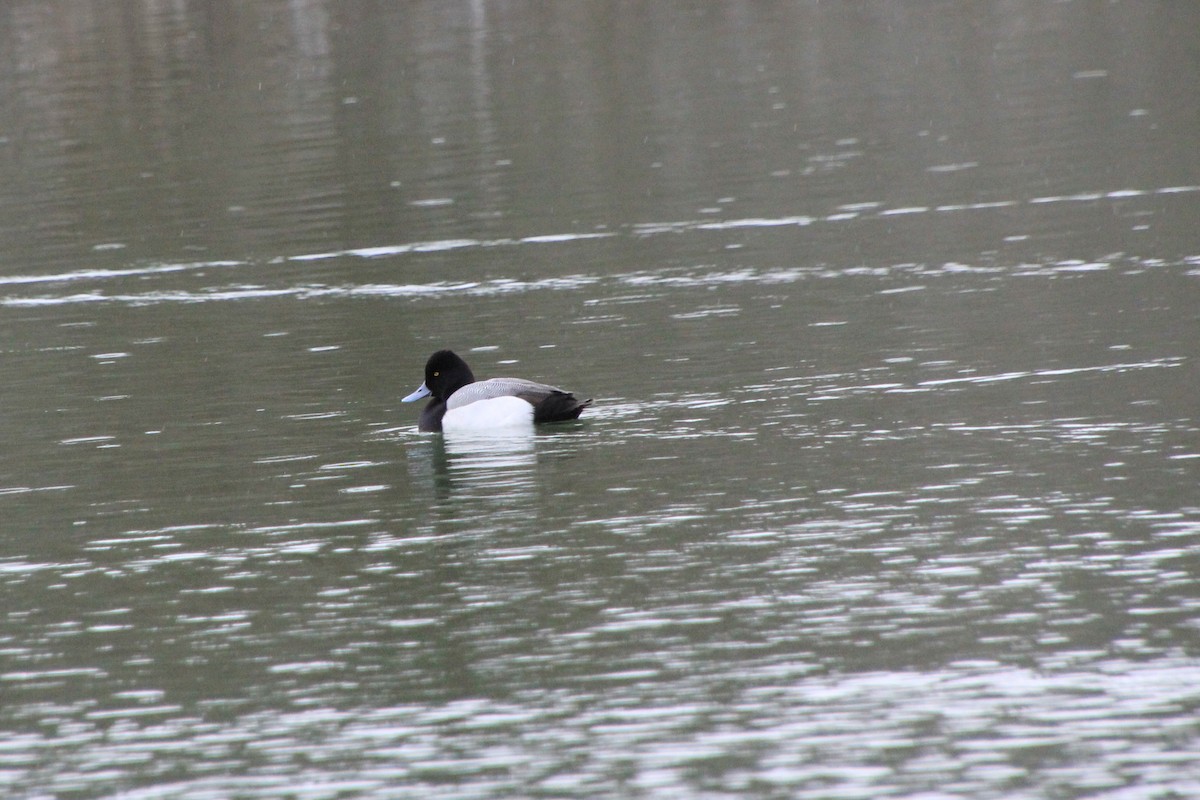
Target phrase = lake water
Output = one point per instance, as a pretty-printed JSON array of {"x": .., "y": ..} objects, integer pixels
[{"x": 891, "y": 314}]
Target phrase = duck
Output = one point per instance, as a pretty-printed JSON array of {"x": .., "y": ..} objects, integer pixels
[{"x": 458, "y": 402}]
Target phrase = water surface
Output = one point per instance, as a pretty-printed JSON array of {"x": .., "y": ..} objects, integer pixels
[{"x": 888, "y": 490}]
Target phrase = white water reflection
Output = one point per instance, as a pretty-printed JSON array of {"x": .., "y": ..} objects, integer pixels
[
  {"x": 499, "y": 286},
  {"x": 468, "y": 450},
  {"x": 310, "y": 290},
  {"x": 975, "y": 728}
]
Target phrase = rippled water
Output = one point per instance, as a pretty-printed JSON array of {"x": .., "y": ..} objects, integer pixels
[{"x": 889, "y": 488}]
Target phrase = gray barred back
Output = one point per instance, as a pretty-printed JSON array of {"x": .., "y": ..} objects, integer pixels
[{"x": 501, "y": 387}]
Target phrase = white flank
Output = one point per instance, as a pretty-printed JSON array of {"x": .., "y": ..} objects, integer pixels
[{"x": 483, "y": 415}]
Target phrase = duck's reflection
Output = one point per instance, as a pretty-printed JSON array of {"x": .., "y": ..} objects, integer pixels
[
  {"x": 471, "y": 466},
  {"x": 474, "y": 452}
]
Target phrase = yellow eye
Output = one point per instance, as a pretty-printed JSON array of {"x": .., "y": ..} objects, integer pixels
[{"x": 436, "y": 374}]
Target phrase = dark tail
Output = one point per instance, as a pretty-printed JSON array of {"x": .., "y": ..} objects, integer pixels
[{"x": 559, "y": 407}]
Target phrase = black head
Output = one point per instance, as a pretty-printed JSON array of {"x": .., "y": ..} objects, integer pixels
[{"x": 446, "y": 373}]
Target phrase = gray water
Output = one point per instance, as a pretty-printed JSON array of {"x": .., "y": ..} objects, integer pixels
[{"x": 890, "y": 314}]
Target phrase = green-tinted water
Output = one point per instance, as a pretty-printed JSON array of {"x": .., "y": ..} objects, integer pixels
[{"x": 889, "y": 313}]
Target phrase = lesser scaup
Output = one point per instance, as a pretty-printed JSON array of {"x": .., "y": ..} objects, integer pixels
[{"x": 459, "y": 402}]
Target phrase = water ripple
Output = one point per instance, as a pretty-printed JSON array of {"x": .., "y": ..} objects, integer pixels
[
  {"x": 974, "y": 729},
  {"x": 314, "y": 290}
]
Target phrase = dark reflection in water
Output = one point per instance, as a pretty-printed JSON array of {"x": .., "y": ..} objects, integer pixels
[
  {"x": 889, "y": 312},
  {"x": 267, "y": 128}
]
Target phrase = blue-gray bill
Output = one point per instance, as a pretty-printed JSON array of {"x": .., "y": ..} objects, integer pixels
[{"x": 422, "y": 391}]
